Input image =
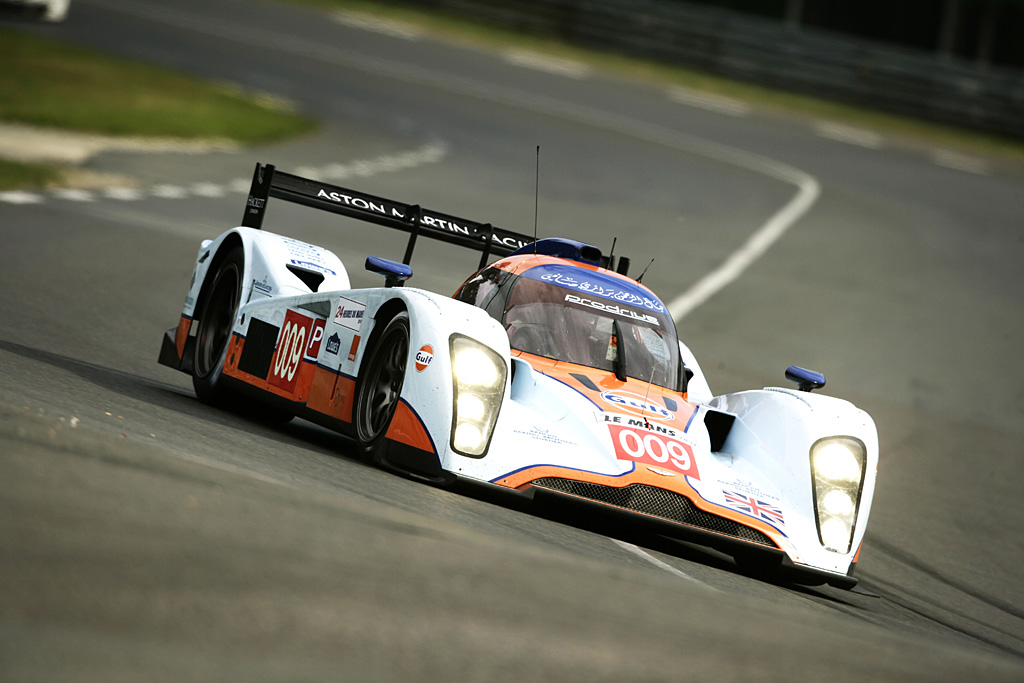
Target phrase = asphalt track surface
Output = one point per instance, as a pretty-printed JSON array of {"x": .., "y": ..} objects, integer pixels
[{"x": 146, "y": 537}]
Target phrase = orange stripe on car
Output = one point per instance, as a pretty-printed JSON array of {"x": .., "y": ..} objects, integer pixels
[
  {"x": 644, "y": 475},
  {"x": 181, "y": 336},
  {"x": 406, "y": 427}
]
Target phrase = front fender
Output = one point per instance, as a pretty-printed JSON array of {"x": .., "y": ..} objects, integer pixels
[
  {"x": 774, "y": 431},
  {"x": 428, "y": 390}
]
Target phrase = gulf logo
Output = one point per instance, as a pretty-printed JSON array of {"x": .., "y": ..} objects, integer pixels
[
  {"x": 636, "y": 405},
  {"x": 423, "y": 357}
]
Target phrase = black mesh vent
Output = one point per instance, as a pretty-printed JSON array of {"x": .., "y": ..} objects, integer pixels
[{"x": 656, "y": 502}]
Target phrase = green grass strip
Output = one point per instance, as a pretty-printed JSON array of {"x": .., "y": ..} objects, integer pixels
[
  {"x": 15, "y": 175},
  {"x": 46, "y": 83}
]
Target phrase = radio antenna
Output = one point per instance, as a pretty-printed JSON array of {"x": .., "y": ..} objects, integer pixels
[
  {"x": 536, "y": 199},
  {"x": 643, "y": 411},
  {"x": 611, "y": 255},
  {"x": 640, "y": 279}
]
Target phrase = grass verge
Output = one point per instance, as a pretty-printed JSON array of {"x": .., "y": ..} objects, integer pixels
[
  {"x": 52, "y": 84},
  {"x": 15, "y": 175},
  {"x": 910, "y": 130}
]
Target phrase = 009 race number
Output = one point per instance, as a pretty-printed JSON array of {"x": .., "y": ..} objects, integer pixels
[
  {"x": 652, "y": 448},
  {"x": 291, "y": 347}
]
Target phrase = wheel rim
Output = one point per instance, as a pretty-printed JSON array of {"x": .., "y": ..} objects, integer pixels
[
  {"x": 383, "y": 386},
  {"x": 217, "y": 321}
]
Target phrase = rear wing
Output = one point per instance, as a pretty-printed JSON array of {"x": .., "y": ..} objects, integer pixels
[{"x": 483, "y": 237}]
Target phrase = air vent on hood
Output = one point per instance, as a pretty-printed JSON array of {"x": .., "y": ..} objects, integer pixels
[{"x": 310, "y": 278}]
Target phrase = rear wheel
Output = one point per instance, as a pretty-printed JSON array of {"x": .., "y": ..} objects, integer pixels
[
  {"x": 380, "y": 384},
  {"x": 217, "y": 313},
  {"x": 216, "y": 319}
]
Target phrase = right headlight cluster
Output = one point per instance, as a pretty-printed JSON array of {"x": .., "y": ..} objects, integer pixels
[
  {"x": 478, "y": 379},
  {"x": 837, "y": 468}
]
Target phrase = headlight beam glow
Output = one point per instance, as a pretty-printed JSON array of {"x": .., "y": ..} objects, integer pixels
[
  {"x": 478, "y": 387},
  {"x": 837, "y": 472}
]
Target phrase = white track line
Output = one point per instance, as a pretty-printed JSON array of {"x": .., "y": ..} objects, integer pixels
[
  {"x": 708, "y": 101},
  {"x": 547, "y": 63},
  {"x": 848, "y": 134},
  {"x": 20, "y": 197},
  {"x": 389, "y": 163},
  {"x": 960, "y": 162},
  {"x": 753, "y": 249},
  {"x": 387, "y": 27},
  {"x": 643, "y": 554}
]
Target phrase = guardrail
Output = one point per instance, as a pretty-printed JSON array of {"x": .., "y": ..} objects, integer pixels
[{"x": 912, "y": 82}]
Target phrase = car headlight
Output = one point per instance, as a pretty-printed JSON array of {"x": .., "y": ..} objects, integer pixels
[
  {"x": 837, "y": 469},
  {"x": 478, "y": 379}
]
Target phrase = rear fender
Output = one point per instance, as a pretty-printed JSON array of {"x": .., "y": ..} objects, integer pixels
[{"x": 274, "y": 266}]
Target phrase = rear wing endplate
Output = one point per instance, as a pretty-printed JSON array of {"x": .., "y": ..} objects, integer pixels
[{"x": 268, "y": 182}]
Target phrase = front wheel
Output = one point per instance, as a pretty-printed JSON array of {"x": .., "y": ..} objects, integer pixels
[{"x": 380, "y": 385}]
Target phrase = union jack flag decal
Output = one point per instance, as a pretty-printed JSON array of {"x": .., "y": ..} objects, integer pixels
[{"x": 754, "y": 507}]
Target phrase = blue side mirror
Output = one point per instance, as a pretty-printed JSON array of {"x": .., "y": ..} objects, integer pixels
[
  {"x": 806, "y": 380},
  {"x": 394, "y": 273}
]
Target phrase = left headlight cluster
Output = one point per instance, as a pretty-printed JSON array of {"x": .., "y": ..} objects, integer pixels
[
  {"x": 478, "y": 379},
  {"x": 837, "y": 467}
]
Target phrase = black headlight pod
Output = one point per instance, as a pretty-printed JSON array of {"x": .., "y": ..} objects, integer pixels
[
  {"x": 837, "y": 472},
  {"x": 478, "y": 380}
]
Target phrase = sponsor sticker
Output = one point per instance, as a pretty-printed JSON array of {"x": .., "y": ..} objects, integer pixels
[
  {"x": 262, "y": 286},
  {"x": 738, "y": 485},
  {"x": 614, "y": 309},
  {"x": 333, "y": 344},
  {"x": 592, "y": 284},
  {"x": 423, "y": 357},
  {"x": 354, "y": 348},
  {"x": 545, "y": 435},
  {"x": 309, "y": 265},
  {"x": 636, "y": 405},
  {"x": 349, "y": 313},
  {"x": 640, "y": 423},
  {"x": 315, "y": 338}
]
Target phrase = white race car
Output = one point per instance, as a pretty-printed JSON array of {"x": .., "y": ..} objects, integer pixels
[{"x": 549, "y": 374}]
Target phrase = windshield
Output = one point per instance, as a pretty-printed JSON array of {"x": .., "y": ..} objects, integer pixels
[{"x": 577, "y": 326}]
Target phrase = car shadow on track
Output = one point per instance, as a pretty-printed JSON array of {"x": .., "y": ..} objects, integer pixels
[{"x": 182, "y": 402}]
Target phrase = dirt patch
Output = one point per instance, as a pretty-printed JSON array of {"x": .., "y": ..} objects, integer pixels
[
  {"x": 45, "y": 145},
  {"x": 69, "y": 150}
]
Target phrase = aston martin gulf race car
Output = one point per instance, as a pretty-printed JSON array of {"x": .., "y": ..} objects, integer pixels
[{"x": 550, "y": 374}]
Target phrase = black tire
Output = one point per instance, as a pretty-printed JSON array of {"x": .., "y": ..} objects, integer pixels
[
  {"x": 217, "y": 313},
  {"x": 380, "y": 385}
]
